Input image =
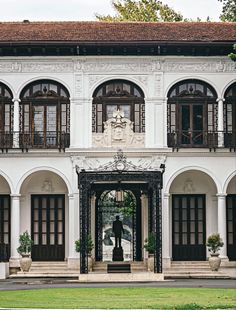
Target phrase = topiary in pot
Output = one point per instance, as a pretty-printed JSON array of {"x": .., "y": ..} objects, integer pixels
[
  {"x": 150, "y": 246},
  {"x": 89, "y": 248},
  {"x": 214, "y": 243},
  {"x": 24, "y": 250}
]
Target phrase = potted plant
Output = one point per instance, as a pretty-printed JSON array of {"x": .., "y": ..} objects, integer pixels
[
  {"x": 89, "y": 248},
  {"x": 25, "y": 251},
  {"x": 214, "y": 243},
  {"x": 150, "y": 246}
]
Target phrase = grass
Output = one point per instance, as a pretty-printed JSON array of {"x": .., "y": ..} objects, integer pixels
[{"x": 117, "y": 298}]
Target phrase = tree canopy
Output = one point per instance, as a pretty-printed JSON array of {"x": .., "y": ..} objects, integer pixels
[
  {"x": 228, "y": 11},
  {"x": 141, "y": 10}
]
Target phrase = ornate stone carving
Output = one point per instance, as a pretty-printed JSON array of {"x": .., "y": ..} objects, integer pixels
[
  {"x": 10, "y": 67},
  {"x": 78, "y": 85},
  {"x": 215, "y": 66},
  {"x": 152, "y": 163},
  {"x": 188, "y": 186},
  {"x": 47, "y": 186},
  {"x": 118, "y": 132},
  {"x": 47, "y": 67}
]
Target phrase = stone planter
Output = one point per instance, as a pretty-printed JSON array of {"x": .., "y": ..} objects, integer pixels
[
  {"x": 25, "y": 262},
  {"x": 151, "y": 262},
  {"x": 214, "y": 261},
  {"x": 90, "y": 263}
]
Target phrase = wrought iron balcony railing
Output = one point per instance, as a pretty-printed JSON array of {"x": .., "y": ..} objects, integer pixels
[
  {"x": 38, "y": 139},
  {"x": 201, "y": 139}
]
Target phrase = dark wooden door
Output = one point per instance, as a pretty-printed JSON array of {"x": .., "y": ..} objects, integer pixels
[
  {"x": 192, "y": 124},
  {"x": 48, "y": 227},
  {"x": 188, "y": 227},
  {"x": 231, "y": 227},
  {"x": 5, "y": 229}
]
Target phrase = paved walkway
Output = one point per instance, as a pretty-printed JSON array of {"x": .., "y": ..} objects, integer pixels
[{"x": 28, "y": 284}]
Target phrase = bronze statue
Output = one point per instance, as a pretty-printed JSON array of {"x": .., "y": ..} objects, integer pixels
[{"x": 117, "y": 229}]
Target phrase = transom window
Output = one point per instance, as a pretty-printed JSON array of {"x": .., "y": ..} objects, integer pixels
[
  {"x": 192, "y": 113},
  {"x": 118, "y": 95}
]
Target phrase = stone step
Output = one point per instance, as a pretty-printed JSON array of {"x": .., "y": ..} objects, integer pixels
[
  {"x": 195, "y": 276},
  {"x": 44, "y": 275}
]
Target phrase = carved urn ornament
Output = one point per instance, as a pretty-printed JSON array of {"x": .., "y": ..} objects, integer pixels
[{"x": 214, "y": 243}]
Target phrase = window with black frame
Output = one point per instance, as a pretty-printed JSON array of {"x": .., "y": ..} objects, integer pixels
[
  {"x": 45, "y": 115},
  {"x": 230, "y": 116},
  {"x": 192, "y": 114},
  {"x": 6, "y": 117},
  {"x": 119, "y": 95}
]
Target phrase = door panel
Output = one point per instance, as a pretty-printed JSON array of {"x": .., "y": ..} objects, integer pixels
[
  {"x": 5, "y": 229},
  {"x": 48, "y": 227},
  {"x": 231, "y": 227},
  {"x": 188, "y": 227}
]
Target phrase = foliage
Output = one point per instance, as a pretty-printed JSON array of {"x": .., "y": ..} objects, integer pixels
[
  {"x": 89, "y": 244},
  {"x": 232, "y": 56},
  {"x": 170, "y": 298},
  {"x": 141, "y": 10},
  {"x": 150, "y": 243},
  {"x": 25, "y": 243},
  {"x": 228, "y": 11},
  {"x": 214, "y": 243}
]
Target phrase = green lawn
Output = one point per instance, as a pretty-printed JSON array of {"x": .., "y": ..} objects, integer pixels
[{"x": 125, "y": 298}]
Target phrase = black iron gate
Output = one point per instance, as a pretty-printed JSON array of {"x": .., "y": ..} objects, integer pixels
[
  {"x": 148, "y": 181},
  {"x": 5, "y": 227}
]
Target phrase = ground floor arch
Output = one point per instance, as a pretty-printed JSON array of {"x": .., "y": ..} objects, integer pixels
[
  {"x": 231, "y": 219},
  {"x": 193, "y": 211}
]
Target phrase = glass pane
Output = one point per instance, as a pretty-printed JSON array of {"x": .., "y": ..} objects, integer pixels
[
  {"x": 185, "y": 117},
  {"x": 184, "y": 238},
  {"x": 60, "y": 241},
  {"x": 184, "y": 226},
  {"x": 51, "y": 118},
  {"x": 192, "y": 239},
  {"x": 176, "y": 238},
  {"x": 38, "y": 116},
  {"x": 197, "y": 117},
  {"x": 110, "y": 109},
  {"x": 126, "y": 110},
  {"x": 36, "y": 239},
  {"x": 52, "y": 239},
  {"x": 44, "y": 239}
]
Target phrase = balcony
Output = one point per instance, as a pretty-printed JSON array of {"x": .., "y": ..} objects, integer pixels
[
  {"x": 34, "y": 140},
  {"x": 202, "y": 139}
]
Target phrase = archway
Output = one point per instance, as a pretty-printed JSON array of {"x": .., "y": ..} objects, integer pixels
[
  {"x": 194, "y": 214},
  {"x": 44, "y": 210},
  {"x": 5, "y": 219},
  {"x": 231, "y": 219}
]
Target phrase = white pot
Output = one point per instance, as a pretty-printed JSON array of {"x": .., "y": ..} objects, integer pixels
[
  {"x": 214, "y": 261},
  {"x": 151, "y": 262},
  {"x": 25, "y": 262},
  {"x": 90, "y": 263}
]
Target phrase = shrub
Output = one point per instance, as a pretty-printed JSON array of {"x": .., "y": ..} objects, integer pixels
[
  {"x": 150, "y": 243},
  {"x": 214, "y": 243},
  {"x": 25, "y": 243},
  {"x": 89, "y": 244}
]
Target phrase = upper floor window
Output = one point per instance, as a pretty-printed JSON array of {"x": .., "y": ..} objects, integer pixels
[
  {"x": 192, "y": 113},
  {"x": 45, "y": 113},
  {"x": 6, "y": 109},
  {"x": 230, "y": 109},
  {"x": 118, "y": 95}
]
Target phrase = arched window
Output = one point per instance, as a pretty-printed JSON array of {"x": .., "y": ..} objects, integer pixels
[
  {"x": 45, "y": 114},
  {"x": 192, "y": 114},
  {"x": 230, "y": 116},
  {"x": 118, "y": 95},
  {"x": 6, "y": 116}
]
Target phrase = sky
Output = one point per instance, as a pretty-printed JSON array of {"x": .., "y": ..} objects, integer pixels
[{"x": 52, "y": 10}]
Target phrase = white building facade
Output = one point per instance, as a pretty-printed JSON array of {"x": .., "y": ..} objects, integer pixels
[{"x": 63, "y": 114}]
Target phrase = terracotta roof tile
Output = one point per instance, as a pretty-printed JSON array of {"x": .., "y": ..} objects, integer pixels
[{"x": 116, "y": 32}]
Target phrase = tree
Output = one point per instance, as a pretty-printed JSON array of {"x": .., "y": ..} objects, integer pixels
[
  {"x": 228, "y": 11},
  {"x": 141, "y": 10},
  {"x": 232, "y": 55}
]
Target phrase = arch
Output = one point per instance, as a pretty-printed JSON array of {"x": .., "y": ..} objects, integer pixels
[
  {"x": 44, "y": 168},
  {"x": 198, "y": 78},
  {"x": 118, "y": 95},
  {"x": 227, "y": 181},
  {"x": 188, "y": 168},
  {"x": 227, "y": 87},
  {"x": 40, "y": 78},
  {"x": 118, "y": 77},
  {"x": 8, "y": 180},
  {"x": 8, "y": 86}
]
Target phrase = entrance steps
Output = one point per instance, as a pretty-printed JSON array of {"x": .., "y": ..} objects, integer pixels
[
  {"x": 48, "y": 270},
  {"x": 192, "y": 270},
  {"x": 101, "y": 267}
]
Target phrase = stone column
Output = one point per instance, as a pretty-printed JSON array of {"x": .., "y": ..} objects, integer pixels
[
  {"x": 220, "y": 121},
  {"x": 166, "y": 231},
  {"x": 16, "y": 122},
  {"x": 222, "y": 223},
  {"x": 73, "y": 261},
  {"x": 15, "y": 230}
]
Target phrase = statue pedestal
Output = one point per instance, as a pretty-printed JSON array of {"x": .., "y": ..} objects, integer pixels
[{"x": 117, "y": 255}]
